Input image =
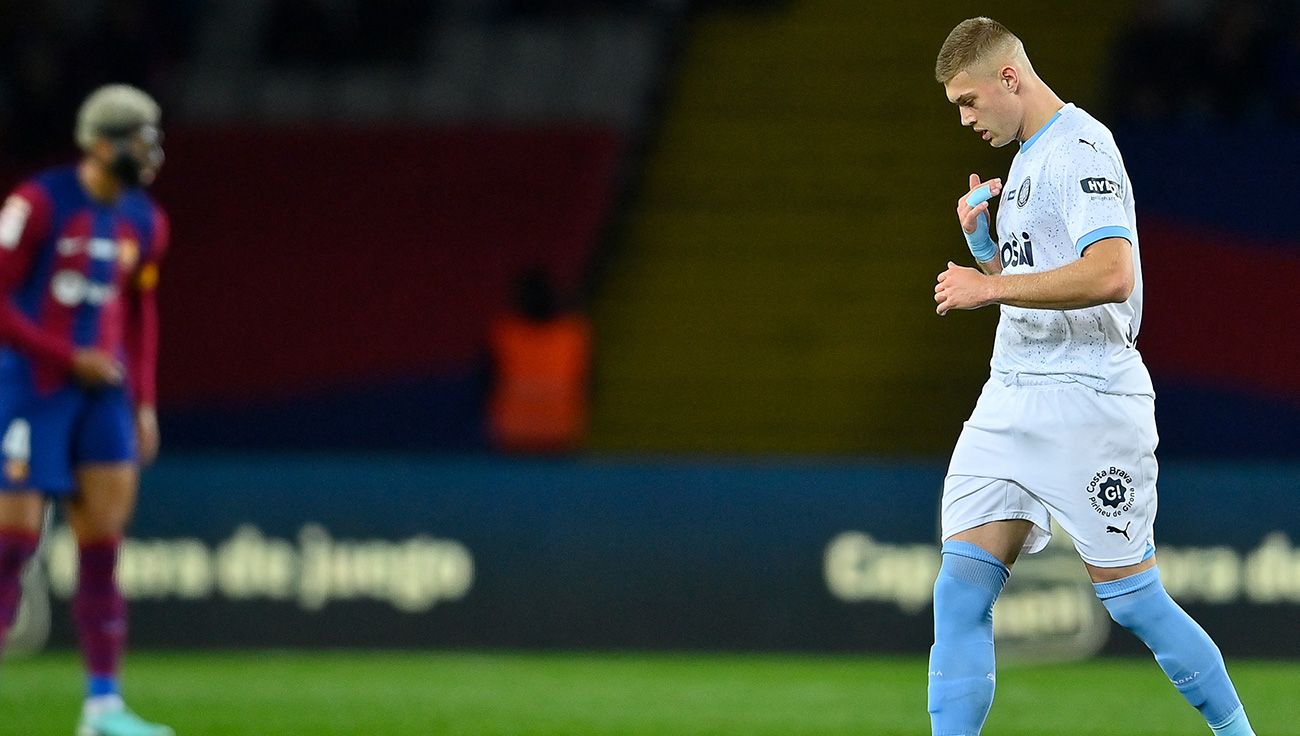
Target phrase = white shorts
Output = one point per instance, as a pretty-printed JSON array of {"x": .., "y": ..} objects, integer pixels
[{"x": 1040, "y": 449}]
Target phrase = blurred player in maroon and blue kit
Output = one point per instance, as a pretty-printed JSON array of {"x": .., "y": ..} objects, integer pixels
[{"x": 79, "y": 253}]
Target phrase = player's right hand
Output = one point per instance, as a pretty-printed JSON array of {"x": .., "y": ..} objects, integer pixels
[
  {"x": 967, "y": 215},
  {"x": 94, "y": 367}
]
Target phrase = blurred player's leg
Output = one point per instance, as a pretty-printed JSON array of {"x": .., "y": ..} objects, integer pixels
[
  {"x": 100, "y": 613},
  {"x": 962, "y": 666},
  {"x": 1139, "y": 603},
  {"x": 98, "y": 514},
  {"x": 21, "y": 514}
]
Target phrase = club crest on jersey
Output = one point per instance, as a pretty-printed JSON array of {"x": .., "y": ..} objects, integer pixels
[
  {"x": 1018, "y": 252},
  {"x": 1112, "y": 492},
  {"x": 128, "y": 253},
  {"x": 1023, "y": 196}
]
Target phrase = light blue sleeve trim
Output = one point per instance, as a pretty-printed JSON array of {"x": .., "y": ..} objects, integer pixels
[{"x": 1101, "y": 233}]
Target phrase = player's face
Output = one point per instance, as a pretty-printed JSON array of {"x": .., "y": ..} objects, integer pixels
[
  {"x": 146, "y": 148},
  {"x": 985, "y": 105},
  {"x": 135, "y": 159}
]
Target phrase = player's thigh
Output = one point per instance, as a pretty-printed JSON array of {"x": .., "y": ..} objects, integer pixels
[
  {"x": 996, "y": 514},
  {"x": 107, "y": 474},
  {"x": 104, "y": 500},
  {"x": 22, "y": 506},
  {"x": 36, "y": 443},
  {"x": 1002, "y": 539},
  {"x": 22, "y": 511},
  {"x": 1107, "y": 574},
  {"x": 104, "y": 433},
  {"x": 1097, "y": 475}
]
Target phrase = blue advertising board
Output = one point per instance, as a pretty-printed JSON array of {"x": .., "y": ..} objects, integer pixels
[{"x": 788, "y": 555}]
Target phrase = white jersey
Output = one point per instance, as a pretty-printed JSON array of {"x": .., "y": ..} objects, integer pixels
[{"x": 1067, "y": 189}]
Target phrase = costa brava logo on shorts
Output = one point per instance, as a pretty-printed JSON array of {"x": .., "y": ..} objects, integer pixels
[{"x": 1112, "y": 492}]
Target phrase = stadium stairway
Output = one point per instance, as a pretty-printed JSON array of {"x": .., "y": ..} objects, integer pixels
[{"x": 772, "y": 288}]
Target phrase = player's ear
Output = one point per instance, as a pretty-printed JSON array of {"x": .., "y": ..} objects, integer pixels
[{"x": 1010, "y": 78}]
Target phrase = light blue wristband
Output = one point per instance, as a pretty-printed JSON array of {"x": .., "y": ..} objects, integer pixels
[{"x": 980, "y": 243}]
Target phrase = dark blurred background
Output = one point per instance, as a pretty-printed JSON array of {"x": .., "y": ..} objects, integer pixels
[
  {"x": 685, "y": 250},
  {"x": 746, "y": 198}
]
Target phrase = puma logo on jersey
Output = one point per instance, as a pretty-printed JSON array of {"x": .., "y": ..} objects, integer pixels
[
  {"x": 1089, "y": 144},
  {"x": 1018, "y": 253}
]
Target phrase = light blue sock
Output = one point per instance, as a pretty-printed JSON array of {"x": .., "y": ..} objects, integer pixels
[
  {"x": 1183, "y": 650},
  {"x": 961, "y": 660}
]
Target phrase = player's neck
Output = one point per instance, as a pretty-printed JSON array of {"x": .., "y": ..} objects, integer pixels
[
  {"x": 1040, "y": 107},
  {"x": 99, "y": 184}
]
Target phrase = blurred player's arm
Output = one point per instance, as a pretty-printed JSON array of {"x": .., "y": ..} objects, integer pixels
[
  {"x": 25, "y": 221},
  {"x": 142, "y": 342},
  {"x": 1104, "y": 275}
]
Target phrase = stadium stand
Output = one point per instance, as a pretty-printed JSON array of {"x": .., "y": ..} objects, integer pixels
[
  {"x": 761, "y": 286},
  {"x": 773, "y": 291},
  {"x": 462, "y": 142},
  {"x": 1214, "y": 100}
]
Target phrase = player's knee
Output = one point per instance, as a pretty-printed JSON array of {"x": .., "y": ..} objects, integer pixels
[
  {"x": 101, "y": 521},
  {"x": 16, "y": 548},
  {"x": 1139, "y": 602},
  {"x": 969, "y": 582},
  {"x": 101, "y": 534},
  {"x": 1125, "y": 616}
]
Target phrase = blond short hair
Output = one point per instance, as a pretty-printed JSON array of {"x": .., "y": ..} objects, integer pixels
[
  {"x": 974, "y": 41},
  {"x": 114, "y": 107}
]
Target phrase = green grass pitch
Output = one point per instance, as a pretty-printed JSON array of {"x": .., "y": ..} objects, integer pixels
[{"x": 394, "y": 694}]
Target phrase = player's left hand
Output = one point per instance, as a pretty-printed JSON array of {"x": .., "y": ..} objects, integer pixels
[
  {"x": 147, "y": 437},
  {"x": 962, "y": 288}
]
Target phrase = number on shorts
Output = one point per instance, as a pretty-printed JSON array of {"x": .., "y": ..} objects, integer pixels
[{"x": 17, "y": 442}]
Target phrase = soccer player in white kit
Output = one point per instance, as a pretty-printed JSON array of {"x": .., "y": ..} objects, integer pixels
[{"x": 1065, "y": 426}]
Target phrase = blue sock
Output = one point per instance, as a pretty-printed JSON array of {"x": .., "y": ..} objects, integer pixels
[
  {"x": 1183, "y": 650},
  {"x": 97, "y": 685},
  {"x": 961, "y": 660}
]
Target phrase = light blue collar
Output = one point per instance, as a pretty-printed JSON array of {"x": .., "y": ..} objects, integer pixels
[{"x": 1025, "y": 146}]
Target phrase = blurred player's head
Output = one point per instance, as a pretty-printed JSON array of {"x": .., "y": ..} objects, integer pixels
[
  {"x": 985, "y": 72},
  {"x": 117, "y": 126}
]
